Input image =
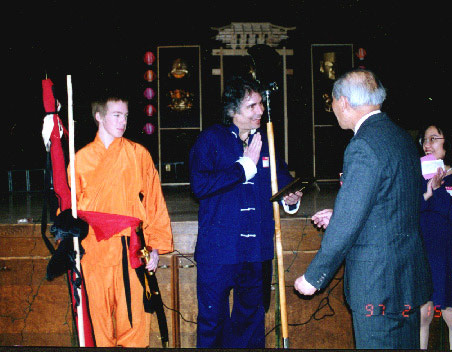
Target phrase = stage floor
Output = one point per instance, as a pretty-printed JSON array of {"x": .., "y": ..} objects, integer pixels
[{"x": 22, "y": 207}]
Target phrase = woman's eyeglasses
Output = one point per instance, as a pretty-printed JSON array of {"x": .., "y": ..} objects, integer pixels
[{"x": 431, "y": 140}]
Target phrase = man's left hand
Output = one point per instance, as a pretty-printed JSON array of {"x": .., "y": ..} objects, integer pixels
[
  {"x": 322, "y": 218},
  {"x": 293, "y": 198}
]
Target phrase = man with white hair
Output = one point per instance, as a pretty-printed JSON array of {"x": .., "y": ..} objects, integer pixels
[{"x": 374, "y": 226}]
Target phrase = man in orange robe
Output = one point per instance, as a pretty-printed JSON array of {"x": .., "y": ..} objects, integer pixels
[{"x": 117, "y": 176}]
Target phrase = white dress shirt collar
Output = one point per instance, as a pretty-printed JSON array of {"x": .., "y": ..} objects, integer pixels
[{"x": 364, "y": 118}]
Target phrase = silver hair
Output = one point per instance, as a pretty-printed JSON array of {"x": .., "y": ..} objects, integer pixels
[{"x": 360, "y": 87}]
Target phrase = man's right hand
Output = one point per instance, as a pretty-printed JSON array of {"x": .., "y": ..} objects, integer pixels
[
  {"x": 304, "y": 287},
  {"x": 253, "y": 150}
]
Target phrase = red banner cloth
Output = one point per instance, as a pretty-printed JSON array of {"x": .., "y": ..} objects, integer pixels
[
  {"x": 63, "y": 194},
  {"x": 60, "y": 184}
]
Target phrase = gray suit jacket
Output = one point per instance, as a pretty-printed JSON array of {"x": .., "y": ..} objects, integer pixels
[{"x": 375, "y": 224}]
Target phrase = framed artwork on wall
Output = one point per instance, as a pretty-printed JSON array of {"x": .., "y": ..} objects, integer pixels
[
  {"x": 179, "y": 88},
  {"x": 328, "y": 62},
  {"x": 179, "y": 109}
]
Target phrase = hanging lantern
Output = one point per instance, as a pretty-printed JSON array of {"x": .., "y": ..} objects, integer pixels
[
  {"x": 361, "y": 54},
  {"x": 149, "y": 75},
  {"x": 149, "y": 58},
  {"x": 149, "y": 93},
  {"x": 150, "y": 110},
  {"x": 149, "y": 128}
]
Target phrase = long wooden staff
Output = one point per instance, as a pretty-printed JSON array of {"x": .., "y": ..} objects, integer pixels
[
  {"x": 278, "y": 243},
  {"x": 81, "y": 330}
]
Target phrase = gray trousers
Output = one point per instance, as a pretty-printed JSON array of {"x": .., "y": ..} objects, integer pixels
[{"x": 388, "y": 331}]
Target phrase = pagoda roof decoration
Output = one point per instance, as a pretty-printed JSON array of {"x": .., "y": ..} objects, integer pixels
[{"x": 242, "y": 35}]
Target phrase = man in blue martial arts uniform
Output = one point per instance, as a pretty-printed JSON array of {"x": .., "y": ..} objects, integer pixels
[{"x": 230, "y": 175}]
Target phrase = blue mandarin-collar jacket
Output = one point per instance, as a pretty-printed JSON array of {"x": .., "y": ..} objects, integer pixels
[{"x": 235, "y": 216}]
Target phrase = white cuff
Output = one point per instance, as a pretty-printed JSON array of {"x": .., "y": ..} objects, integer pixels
[
  {"x": 248, "y": 166},
  {"x": 287, "y": 210}
]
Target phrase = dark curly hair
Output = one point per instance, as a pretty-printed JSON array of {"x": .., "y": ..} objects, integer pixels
[
  {"x": 444, "y": 129},
  {"x": 236, "y": 89}
]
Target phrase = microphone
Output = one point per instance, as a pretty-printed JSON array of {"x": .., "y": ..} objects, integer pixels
[{"x": 273, "y": 86}]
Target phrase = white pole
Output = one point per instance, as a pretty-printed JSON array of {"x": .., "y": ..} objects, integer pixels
[{"x": 81, "y": 331}]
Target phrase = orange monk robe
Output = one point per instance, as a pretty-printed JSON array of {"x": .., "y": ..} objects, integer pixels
[{"x": 112, "y": 181}]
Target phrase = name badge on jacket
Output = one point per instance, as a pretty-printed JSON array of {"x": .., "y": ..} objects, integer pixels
[{"x": 265, "y": 161}]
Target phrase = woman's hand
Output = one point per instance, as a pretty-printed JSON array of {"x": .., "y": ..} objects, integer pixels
[
  {"x": 434, "y": 183},
  {"x": 437, "y": 180}
]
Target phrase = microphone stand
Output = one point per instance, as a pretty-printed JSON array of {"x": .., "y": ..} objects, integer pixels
[{"x": 278, "y": 243}]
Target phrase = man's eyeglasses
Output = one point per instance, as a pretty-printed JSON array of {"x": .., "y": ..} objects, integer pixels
[{"x": 431, "y": 140}]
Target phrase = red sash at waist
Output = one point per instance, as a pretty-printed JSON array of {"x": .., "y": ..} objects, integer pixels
[{"x": 106, "y": 225}]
